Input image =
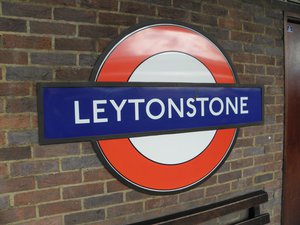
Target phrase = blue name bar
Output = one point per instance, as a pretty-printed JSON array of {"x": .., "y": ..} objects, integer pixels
[{"x": 93, "y": 112}]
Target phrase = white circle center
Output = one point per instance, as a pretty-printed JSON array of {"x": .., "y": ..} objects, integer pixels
[{"x": 176, "y": 67}]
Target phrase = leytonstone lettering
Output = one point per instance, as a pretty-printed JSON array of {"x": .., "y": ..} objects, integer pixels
[{"x": 185, "y": 107}]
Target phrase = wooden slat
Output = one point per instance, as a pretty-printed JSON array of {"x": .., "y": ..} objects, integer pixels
[
  {"x": 211, "y": 211},
  {"x": 259, "y": 220}
]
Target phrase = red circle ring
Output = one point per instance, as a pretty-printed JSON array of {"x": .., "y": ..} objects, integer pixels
[{"x": 117, "y": 63}]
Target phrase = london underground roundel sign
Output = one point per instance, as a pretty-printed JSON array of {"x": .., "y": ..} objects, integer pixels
[{"x": 163, "y": 107}]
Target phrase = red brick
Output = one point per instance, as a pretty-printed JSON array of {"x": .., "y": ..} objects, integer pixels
[
  {"x": 74, "y": 15},
  {"x": 12, "y": 25},
  {"x": 253, "y": 27},
  {"x": 263, "y": 140},
  {"x": 144, "y": 19},
  {"x": 58, "y": 179},
  {"x": 26, "y": 10},
  {"x": 231, "y": 4},
  {"x": 240, "y": 36},
  {"x": 270, "y": 100},
  {"x": 253, "y": 48},
  {"x": 2, "y": 138},
  {"x": 75, "y": 74},
  {"x": 275, "y": 71},
  {"x": 127, "y": 209},
  {"x": 231, "y": 176},
  {"x": 87, "y": 148},
  {"x": 46, "y": 58},
  {"x": 28, "y": 73},
  {"x": 244, "y": 142},
  {"x": 22, "y": 137},
  {"x": 137, "y": 8},
  {"x": 241, "y": 163},
  {"x": 264, "y": 80},
  {"x": 263, "y": 178},
  {"x": 204, "y": 19},
  {"x": 278, "y": 137},
  {"x": 191, "y": 195},
  {"x": 45, "y": 151},
  {"x": 188, "y": 5},
  {"x": 279, "y": 99},
  {"x": 56, "y": 220},
  {"x": 34, "y": 121},
  {"x": 214, "y": 10},
  {"x": 19, "y": 105},
  {"x": 97, "y": 174},
  {"x": 116, "y": 19},
  {"x": 253, "y": 151},
  {"x": 56, "y": 2},
  {"x": 14, "y": 89},
  {"x": 224, "y": 168},
  {"x": 59, "y": 207},
  {"x": 14, "y": 41},
  {"x": 83, "y": 190},
  {"x": 171, "y": 13},
  {"x": 14, "y": 121},
  {"x": 251, "y": 171},
  {"x": 97, "y": 31},
  {"x": 253, "y": 130},
  {"x": 247, "y": 79},
  {"x": 279, "y": 61},
  {"x": 266, "y": 60},
  {"x": 274, "y": 90},
  {"x": 230, "y": 23},
  {"x": 86, "y": 217},
  {"x": 244, "y": 57},
  {"x": 4, "y": 202},
  {"x": 75, "y": 163},
  {"x": 102, "y": 44},
  {"x": 34, "y": 197},
  {"x": 52, "y": 28},
  {"x": 13, "y": 57},
  {"x": 17, "y": 214},
  {"x": 242, "y": 184},
  {"x": 34, "y": 167},
  {"x": 160, "y": 202},
  {"x": 113, "y": 186},
  {"x": 279, "y": 119},
  {"x": 16, "y": 184},
  {"x": 217, "y": 33},
  {"x": 103, "y": 4},
  {"x": 135, "y": 195},
  {"x": 242, "y": 15},
  {"x": 210, "y": 181},
  {"x": 75, "y": 44},
  {"x": 3, "y": 170},
  {"x": 158, "y": 2},
  {"x": 103, "y": 200},
  {"x": 274, "y": 129},
  {"x": 15, "y": 153},
  {"x": 263, "y": 40},
  {"x": 273, "y": 166},
  {"x": 263, "y": 159},
  {"x": 218, "y": 189},
  {"x": 2, "y": 103},
  {"x": 236, "y": 154}
]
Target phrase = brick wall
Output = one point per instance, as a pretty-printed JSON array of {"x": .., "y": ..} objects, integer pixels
[{"x": 59, "y": 40}]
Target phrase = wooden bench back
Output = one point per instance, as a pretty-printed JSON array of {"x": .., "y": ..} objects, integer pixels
[{"x": 250, "y": 201}]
